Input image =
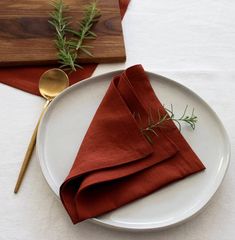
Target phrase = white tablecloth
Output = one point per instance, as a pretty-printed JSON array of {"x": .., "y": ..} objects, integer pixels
[{"x": 192, "y": 42}]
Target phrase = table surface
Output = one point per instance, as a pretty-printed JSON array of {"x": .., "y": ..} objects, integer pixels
[{"x": 192, "y": 42}]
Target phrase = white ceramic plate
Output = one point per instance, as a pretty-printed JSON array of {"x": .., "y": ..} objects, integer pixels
[{"x": 67, "y": 120}]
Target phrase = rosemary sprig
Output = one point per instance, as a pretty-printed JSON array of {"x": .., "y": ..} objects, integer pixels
[
  {"x": 61, "y": 24},
  {"x": 69, "y": 41},
  {"x": 157, "y": 120},
  {"x": 91, "y": 16}
]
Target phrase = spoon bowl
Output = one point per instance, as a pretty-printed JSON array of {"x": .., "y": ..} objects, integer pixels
[{"x": 52, "y": 83}]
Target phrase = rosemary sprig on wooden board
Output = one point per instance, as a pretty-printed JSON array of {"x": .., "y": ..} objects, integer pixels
[
  {"x": 61, "y": 24},
  {"x": 157, "y": 120},
  {"x": 91, "y": 16},
  {"x": 70, "y": 41}
]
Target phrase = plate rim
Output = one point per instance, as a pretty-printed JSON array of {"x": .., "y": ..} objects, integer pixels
[{"x": 151, "y": 226}]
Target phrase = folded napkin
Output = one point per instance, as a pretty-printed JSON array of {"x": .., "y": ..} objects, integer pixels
[
  {"x": 27, "y": 78},
  {"x": 116, "y": 164}
]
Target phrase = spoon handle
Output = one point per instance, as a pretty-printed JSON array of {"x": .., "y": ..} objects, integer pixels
[{"x": 29, "y": 150}]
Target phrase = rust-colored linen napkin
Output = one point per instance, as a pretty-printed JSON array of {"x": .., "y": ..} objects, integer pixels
[
  {"x": 27, "y": 78},
  {"x": 115, "y": 163}
]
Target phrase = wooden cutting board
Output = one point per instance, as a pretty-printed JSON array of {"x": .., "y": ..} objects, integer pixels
[{"x": 26, "y": 37}]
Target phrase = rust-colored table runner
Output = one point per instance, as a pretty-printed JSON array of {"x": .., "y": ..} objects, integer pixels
[{"x": 26, "y": 78}]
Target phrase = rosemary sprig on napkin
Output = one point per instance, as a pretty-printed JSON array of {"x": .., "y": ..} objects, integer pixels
[
  {"x": 70, "y": 41},
  {"x": 157, "y": 120}
]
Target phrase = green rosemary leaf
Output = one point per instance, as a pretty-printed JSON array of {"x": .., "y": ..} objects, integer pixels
[
  {"x": 78, "y": 66},
  {"x": 148, "y": 137},
  {"x": 86, "y": 46},
  {"x": 75, "y": 33},
  {"x": 86, "y": 51},
  {"x": 92, "y": 34}
]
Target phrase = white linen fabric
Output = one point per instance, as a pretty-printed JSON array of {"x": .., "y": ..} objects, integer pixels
[{"x": 192, "y": 42}]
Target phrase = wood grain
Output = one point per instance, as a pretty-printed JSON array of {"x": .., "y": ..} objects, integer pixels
[{"x": 26, "y": 37}]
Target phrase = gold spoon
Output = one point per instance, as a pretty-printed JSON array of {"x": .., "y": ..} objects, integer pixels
[{"x": 51, "y": 84}]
